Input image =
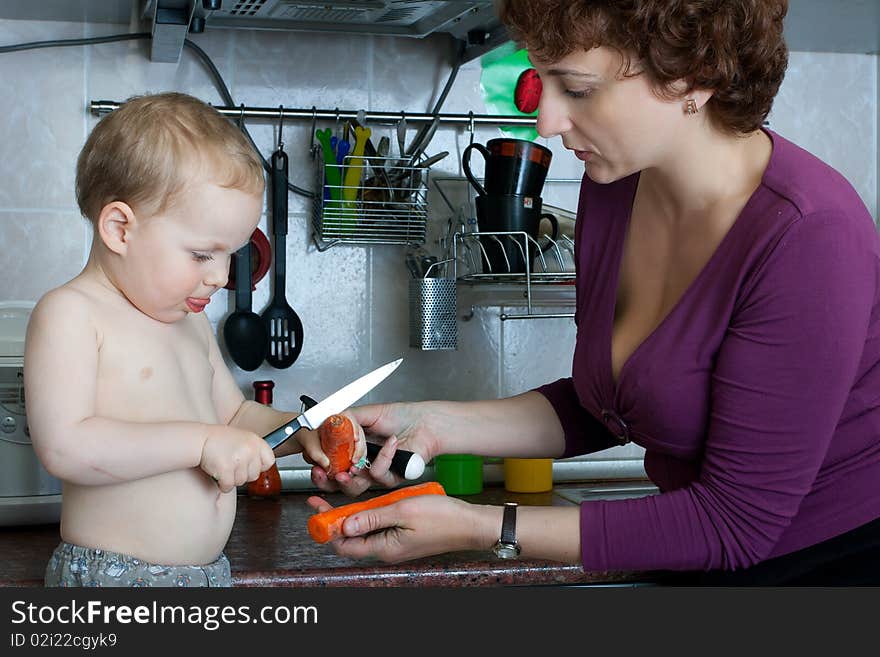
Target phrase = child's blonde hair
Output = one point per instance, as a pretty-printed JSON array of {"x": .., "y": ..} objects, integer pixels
[{"x": 147, "y": 151}]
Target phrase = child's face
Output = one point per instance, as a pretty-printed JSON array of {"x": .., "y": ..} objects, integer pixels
[{"x": 176, "y": 260}]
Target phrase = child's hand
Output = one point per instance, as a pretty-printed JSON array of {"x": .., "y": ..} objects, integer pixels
[
  {"x": 314, "y": 454},
  {"x": 232, "y": 457}
]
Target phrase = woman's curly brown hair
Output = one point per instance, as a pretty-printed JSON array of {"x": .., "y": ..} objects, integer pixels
[{"x": 733, "y": 47}]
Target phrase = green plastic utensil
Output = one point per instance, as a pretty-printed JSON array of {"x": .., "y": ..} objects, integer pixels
[{"x": 331, "y": 172}]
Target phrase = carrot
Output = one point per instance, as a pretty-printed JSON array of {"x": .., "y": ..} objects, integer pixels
[
  {"x": 337, "y": 441},
  {"x": 327, "y": 526}
]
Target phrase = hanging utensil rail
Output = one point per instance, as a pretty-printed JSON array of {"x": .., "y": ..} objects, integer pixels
[{"x": 100, "y": 107}]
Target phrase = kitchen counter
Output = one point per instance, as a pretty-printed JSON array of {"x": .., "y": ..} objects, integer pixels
[{"x": 269, "y": 546}]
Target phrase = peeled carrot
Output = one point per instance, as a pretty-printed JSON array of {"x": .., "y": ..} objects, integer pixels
[
  {"x": 327, "y": 526},
  {"x": 337, "y": 441}
]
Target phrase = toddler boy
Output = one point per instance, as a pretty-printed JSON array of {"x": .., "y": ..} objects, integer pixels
[{"x": 130, "y": 402}]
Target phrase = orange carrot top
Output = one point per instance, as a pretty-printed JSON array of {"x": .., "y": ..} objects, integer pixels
[{"x": 337, "y": 441}]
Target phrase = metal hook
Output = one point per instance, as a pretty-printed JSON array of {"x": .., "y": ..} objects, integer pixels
[
  {"x": 471, "y": 124},
  {"x": 314, "y": 147},
  {"x": 241, "y": 117},
  {"x": 280, "y": 126},
  {"x": 336, "y": 124}
]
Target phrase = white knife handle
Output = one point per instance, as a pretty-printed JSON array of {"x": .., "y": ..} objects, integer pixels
[{"x": 404, "y": 463}]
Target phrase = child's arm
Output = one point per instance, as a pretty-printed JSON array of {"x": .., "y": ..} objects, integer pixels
[
  {"x": 61, "y": 365},
  {"x": 236, "y": 411},
  {"x": 239, "y": 412}
]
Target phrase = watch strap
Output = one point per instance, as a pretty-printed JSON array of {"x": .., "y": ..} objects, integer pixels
[{"x": 508, "y": 524}]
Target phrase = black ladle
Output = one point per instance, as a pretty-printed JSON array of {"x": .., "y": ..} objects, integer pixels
[
  {"x": 283, "y": 325},
  {"x": 244, "y": 331}
]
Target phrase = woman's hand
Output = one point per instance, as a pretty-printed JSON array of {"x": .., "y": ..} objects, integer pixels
[
  {"x": 412, "y": 528},
  {"x": 314, "y": 454},
  {"x": 392, "y": 425}
]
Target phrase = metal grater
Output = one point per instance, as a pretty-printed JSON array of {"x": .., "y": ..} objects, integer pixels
[{"x": 432, "y": 314}]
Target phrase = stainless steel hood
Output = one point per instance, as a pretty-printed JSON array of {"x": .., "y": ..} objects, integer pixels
[
  {"x": 471, "y": 21},
  {"x": 409, "y": 18}
]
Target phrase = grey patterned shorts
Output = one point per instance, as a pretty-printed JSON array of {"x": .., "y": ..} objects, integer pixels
[{"x": 73, "y": 565}]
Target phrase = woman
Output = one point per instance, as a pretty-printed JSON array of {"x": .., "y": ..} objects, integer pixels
[{"x": 728, "y": 311}]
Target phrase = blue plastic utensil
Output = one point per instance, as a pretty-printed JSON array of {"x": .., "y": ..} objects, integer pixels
[{"x": 342, "y": 149}]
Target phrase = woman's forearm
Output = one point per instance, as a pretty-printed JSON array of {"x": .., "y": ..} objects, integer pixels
[
  {"x": 542, "y": 532},
  {"x": 524, "y": 426}
]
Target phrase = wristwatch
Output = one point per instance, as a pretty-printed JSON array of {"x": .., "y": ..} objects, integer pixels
[{"x": 507, "y": 547}]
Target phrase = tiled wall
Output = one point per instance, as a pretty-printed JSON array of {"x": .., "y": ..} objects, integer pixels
[{"x": 352, "y": 300}]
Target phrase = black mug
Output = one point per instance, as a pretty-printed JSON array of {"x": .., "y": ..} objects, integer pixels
[
  {"x": 511, "y": 213},
  {"x": 513, "y": 167}
]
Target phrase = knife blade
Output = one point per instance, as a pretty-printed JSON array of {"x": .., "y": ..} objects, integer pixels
[{"x": 335, "y": 403}]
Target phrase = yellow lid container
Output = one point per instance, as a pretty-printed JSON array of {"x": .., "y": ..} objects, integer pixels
[{"x": 528, "y": 475}]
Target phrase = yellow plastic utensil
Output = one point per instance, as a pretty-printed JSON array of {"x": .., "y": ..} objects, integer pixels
[{"x": 354, "y": 168}]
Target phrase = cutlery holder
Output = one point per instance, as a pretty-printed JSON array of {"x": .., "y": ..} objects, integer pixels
[
  {"x": 432, "y": 314},
  {"x": 389, "y": 205}
]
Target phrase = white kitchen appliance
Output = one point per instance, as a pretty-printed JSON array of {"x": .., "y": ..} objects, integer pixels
[{"x": 28, "y": 494}]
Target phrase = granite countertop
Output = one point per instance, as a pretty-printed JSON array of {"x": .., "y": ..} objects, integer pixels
[{"x": 269, "y": 546}]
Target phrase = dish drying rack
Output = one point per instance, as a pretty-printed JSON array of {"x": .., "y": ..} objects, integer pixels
[
  {"x": 464, "y": 247},
  {"x": 389, "y": 206},
  {"x": 480, "y": 270}
]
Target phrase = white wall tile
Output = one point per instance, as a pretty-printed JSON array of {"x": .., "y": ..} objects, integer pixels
[
  {"x": 827, "y": 105},
  {"x": 42, "y": 127},
  {"x": 39, "y": 250}
]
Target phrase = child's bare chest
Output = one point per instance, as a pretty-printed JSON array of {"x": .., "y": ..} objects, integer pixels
[{"x": 154, "y": 372}]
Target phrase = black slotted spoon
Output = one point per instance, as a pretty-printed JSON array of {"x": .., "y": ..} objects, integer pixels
[{"x": 283, "y": 325}]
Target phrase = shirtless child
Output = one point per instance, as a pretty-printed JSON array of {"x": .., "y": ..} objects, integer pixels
[{"x": 130, "y": 402}]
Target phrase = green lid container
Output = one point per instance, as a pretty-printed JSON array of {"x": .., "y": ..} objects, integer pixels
[{"x": 459, "y": 474}]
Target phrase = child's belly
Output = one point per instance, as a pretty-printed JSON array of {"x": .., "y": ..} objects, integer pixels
[{"x": 177, "y": 518}]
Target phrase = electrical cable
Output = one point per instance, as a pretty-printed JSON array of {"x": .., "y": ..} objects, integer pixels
[
  {"x": 459, "y": 58},
  {"x": 227, "y": 98},
  {"x": 34, "y": 45},
  {"x": 200, "y": 54}
]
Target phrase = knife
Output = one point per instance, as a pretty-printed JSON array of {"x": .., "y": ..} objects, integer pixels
[
  {"x": 404, "y": 463},
  {"x": 335, "y": 403}
]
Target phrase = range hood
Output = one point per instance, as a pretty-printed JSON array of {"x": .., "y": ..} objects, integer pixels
[
  {"x": 409, "y": 18},
  {"x": 471, "y": 21}
]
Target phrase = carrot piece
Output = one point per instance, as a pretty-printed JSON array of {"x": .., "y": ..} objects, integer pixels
[
  {"x": 337, "y": 441},
  {"x": 327, "y": 526}
]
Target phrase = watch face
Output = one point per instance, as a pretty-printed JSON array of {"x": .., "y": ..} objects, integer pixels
[{"x": 505, "y": 551}]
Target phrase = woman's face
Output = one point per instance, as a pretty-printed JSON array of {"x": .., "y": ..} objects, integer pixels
[{"x": 616, "y": 125}]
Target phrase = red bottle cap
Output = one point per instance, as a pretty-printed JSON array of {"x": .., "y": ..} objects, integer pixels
[{"x": 263, "y": 392}]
